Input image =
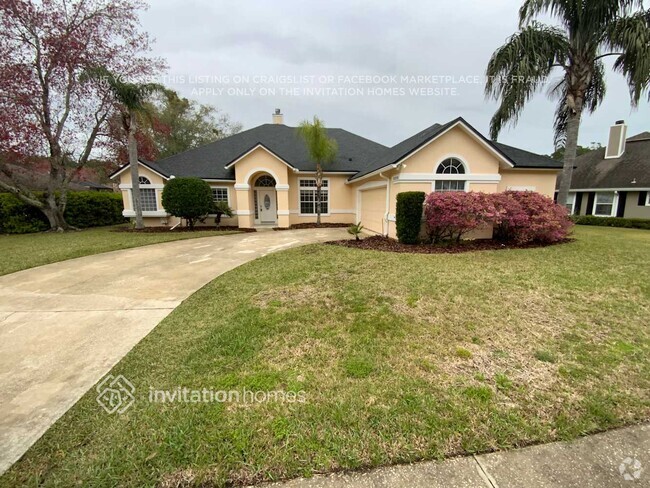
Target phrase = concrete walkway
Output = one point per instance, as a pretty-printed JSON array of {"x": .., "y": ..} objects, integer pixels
[
  {"x": 65, "y": 325},
  {"x": 619, "y": 458}
]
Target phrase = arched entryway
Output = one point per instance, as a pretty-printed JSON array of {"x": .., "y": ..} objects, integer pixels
[{"x": 265, "y": 201}]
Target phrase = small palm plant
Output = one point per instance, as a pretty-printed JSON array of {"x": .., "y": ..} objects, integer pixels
[
  {"x": 221, "y": 209},
  {"x": 322, "y": 149},
  {"x": 130, "y": 99},
  {"x": 355, "y": 230}
]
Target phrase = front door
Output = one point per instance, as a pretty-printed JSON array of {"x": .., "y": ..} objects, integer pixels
[{"x": 266, "y": 206}]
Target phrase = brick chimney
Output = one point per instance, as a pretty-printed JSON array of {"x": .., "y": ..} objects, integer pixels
[
  {"x": 278, "y": 118},
  {"x": 616, "y": 142}
]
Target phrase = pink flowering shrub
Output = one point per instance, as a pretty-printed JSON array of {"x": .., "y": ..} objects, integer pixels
[
  {"x": 525, "y": 216},
  {"x": 517, "y": 216},
  {"x": 451, "y": 215}
]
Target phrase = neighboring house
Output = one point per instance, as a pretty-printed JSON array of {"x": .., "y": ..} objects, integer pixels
[
  {"x": 267, "y": 177},
  {"x": 613, "y": 181}
]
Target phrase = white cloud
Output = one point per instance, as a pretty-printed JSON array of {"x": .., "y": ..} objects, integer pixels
[{"x": 447, "y": 37}]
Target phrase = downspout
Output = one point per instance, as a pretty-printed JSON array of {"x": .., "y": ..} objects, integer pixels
[{"x": 387, "y": 212}]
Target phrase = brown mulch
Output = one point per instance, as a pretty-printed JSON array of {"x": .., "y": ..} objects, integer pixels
[
  {"x": 154, "y": 230},
  {"x": 386, "y": 244}
]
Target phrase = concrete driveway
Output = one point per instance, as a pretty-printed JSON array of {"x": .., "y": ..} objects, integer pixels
[{"x": 65, "y": 325}]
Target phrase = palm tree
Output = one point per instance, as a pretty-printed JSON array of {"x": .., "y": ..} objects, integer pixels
[
  {"x": 589, "y": 31},
  {"x": 131, "y": 100},
  {"x": 322, "y": 149}
]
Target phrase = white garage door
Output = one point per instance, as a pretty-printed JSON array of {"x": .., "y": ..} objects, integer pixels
[{"x": 373, "y": 208}]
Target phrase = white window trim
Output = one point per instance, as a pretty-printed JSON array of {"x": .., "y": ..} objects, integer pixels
[
  {"x": 329, "y": 202},
  {"x": 647, "y": 199},
  {"x": 573, "y": 198},
  {"x": 433, "y": 184},
  {"x": 614, "y": 205},
  {"x": 223, "y": 188},
  {"x": 146, "y": 213},
  {"x": 452, "y": 156}
]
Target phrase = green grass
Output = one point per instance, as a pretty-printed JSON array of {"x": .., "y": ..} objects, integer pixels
[
  {"x": 18, "y": 252},
  {"x": 372, "y": 339}
]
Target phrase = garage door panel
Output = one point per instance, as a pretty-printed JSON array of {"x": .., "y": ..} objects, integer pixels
[{"x": 373, "y": 208}]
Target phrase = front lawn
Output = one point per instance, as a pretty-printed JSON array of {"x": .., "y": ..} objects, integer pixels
[
  {"x": 18, "y": 252},
  {"x": 401, "y": 358}
]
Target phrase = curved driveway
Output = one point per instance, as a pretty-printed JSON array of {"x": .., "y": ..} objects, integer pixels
[{"x": 65, "y": 325}]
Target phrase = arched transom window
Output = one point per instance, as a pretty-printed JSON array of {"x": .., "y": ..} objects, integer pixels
[
  {"x": 451, "y": 166},
  {"x": 265, "y": 181},
  {"x": 143, "y": 180}
]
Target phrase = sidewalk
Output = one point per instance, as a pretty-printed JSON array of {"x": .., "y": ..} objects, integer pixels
[{"x": 619, "y": 458}]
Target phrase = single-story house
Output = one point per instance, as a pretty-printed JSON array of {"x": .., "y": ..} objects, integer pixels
[
  {"x": 265, "y": 174},
  {"x": 613, "y": 181}
]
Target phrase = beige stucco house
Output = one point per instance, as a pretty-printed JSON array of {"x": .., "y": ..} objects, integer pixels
[{"x": 267, "y": 177}]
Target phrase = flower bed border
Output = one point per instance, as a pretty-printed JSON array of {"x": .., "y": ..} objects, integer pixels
[{"x": 386, "y": 244}]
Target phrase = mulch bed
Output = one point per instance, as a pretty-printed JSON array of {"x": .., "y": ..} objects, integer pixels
[
  {"x": 386, "y": 244},
  {"x": 313, "y": 225},
  {"x": 154, "y": 230}
]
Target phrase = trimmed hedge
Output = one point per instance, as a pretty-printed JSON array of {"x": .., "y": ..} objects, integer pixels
[
  {"x": 612, "y": 222},
  {"x": 84, "y": 209},
  {"x": 188, "y": 198},
  {"x": 408, "y": 216}
]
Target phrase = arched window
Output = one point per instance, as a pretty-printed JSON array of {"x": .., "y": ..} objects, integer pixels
[
  {"x": 265, "y": 181},
  {"x": 451, "y": 166},
  {"x": 143, "y": 180}
]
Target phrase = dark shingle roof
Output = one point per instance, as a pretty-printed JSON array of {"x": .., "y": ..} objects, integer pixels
[
  {"x": 356, "y": 154},
  {"x": 518, "y": 157},
  {"x": 592, "y": 170},
  {"x": 527, "y": 159},
  {"x": 209, "y": 161}
]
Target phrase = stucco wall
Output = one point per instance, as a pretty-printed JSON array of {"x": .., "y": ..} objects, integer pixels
[
  {"x": 342, "y": 205},
  {"x": 455, "y": 143},
  {"x": 541, "y": 181}
]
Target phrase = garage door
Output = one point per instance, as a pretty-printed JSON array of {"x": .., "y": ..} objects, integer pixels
[{"x": 373, "y": 208}]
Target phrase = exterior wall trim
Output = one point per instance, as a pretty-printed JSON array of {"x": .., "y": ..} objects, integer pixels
[
  {"x": 140, "y": 163},
  {"x": 157, "y": 213},
  {"x": 130, "y": 187},
  {"x": 258, "y": 146},
  {"x": 242, "y": 186},
  {"x": 424, "y": 177}
]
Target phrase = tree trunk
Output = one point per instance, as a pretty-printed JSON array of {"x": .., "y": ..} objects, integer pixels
[
  {"x": 570, "y": 150},
  {"x": 135, "y": 174},
  {"x": 319, "y": 185}
]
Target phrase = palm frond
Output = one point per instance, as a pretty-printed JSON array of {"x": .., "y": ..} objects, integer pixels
[
  {"x": 321, "y": 148},
  {"x": 520, "y": 67},
  {"x": 631, "y": 37}
]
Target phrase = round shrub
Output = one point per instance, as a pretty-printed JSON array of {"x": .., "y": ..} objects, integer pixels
[
  {"x": 408, "y": 216},
  {"x": 451, "y": 215},
  {"x": 526, "y": 216},
  {"x": 188, "y": 198}
]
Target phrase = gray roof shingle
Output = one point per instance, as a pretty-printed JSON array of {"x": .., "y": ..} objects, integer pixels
[
  {"x": 592, "y": 170},
  {"x": 356, "y": 154}
]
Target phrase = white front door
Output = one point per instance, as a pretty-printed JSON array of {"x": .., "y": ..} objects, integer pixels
[{"x": 266, "y": 206}]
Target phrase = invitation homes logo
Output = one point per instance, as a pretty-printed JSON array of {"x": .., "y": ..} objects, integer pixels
[{"x": 116, "y": 394}]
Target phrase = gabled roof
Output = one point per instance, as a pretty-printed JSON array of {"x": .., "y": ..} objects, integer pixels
[
  {"x": 593, "y": 171},
  {"x": 210, "y": 161},
  {"x": 512, "y": 156},
  {"x": 356, "y": 154},
  {"x": 149, "y": 164}
]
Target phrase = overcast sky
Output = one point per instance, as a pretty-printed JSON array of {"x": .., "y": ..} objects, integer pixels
[{"x": 242, "y": 45}]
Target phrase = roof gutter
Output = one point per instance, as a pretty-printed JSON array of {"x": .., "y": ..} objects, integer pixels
[
  {"x": 383, "y": 169},
  {"x": 387, "y": 212}
]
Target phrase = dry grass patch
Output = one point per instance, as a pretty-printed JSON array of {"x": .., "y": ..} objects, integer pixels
[{"x": 402, "y": 358}]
